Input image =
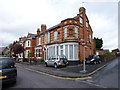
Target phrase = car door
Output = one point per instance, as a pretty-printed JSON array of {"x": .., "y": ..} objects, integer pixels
[{"x": 50, "y": 60}]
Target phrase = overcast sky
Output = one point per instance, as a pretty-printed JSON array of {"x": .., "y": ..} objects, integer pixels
[{"x": 18, "y": 17}]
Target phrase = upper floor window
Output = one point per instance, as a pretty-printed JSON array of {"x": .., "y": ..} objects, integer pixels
[
  {"x": 76, "y": 32},
  {"x": 39, "y": 41},
  {"x": 65, "y": 33},
  {"x": 55, "y": 36},
  {"x": 28, "y": 43},
  {"x": 86, "y": 24},
  {"x": 90, "y": 36},
  {"x": 81, "y": 20},
  {"x": 45, "y": 38},
  {"x": 48, "y": 37}
]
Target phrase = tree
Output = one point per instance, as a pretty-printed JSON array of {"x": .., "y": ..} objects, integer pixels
[
  {"x": 17, "y": 49},
  {"x": 99, "y": 42}
]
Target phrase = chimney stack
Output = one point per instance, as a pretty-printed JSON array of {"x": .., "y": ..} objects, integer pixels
[
  {"x": 38, "y": 31},
  {"x": 43, "y": 27},
  {"x": 82, "y": 10},
  {"x": 20, "y": 39}
]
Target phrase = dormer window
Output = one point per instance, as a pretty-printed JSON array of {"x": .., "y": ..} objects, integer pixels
[
  {"x": 28, "y": 43},
  {"x": 81, "y": 20}
]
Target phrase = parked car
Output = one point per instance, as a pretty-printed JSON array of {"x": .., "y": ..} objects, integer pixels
[
  {"x": 56, "y": 61},
  {"x": 8, "y": 70},
  {"x": 93, "y": 59}
]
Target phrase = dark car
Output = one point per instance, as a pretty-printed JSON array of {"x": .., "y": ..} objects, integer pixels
[
  {"x": 56, "y": 61},
  {"x": 8, "y": 70},
  {"x": 93, "y": 59}
]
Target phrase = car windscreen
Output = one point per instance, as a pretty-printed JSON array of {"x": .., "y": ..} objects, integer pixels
[{"x": 6, "y": 63}]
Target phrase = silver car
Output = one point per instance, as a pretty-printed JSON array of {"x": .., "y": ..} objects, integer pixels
[{"x": 56, "y": 61}]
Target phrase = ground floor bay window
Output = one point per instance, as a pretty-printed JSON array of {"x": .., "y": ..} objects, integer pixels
[{"x": 70, "y": 50}]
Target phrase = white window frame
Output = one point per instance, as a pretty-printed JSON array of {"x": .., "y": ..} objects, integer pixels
[
  {"x": 65, "y": 33},
  {"x": 87, "y": 24},
  {"x": 59, "y": 52},
  {"x": 39, "y": 41},
  {"x": 48, "y": 37},
  {"x": 76, "y": 32},
  {"x": 81, "y": 20},
  {"x": 28, "y": 43},
  {"x": 55, "y": 36}
]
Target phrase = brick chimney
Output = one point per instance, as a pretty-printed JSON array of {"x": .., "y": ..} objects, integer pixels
[
  {"x": 38, "y": 31},
  {"x": 20, "y": 39},
  {"x": 43, "y": 27},
  {"x": 82, "y": 10}
]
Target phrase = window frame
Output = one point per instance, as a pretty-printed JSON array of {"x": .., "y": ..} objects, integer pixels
[{"x": 55, "y": 36}]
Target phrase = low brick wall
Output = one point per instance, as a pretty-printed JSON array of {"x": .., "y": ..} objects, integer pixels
[{"x": 108, "y": 57}]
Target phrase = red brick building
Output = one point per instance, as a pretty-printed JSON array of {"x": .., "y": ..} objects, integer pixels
[{"x": 65, "y": 38}]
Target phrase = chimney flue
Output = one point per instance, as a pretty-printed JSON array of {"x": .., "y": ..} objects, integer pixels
[
  {"x": 38, "y": 31},
  {"x": 43, "y": 27}
]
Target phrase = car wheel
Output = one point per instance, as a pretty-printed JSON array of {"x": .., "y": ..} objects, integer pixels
[
  {"x": 46, "y": 65},
  {"x": 55, "y": 65}
]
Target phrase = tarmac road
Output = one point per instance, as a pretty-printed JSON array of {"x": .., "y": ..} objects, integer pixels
[
  {"x": 108, "y": 76},
  {"x": 29, "y": 79},
  {"x": 105, "y": 78}
]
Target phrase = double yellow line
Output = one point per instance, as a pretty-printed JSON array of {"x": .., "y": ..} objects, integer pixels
[{"x": 88, "y": 77}]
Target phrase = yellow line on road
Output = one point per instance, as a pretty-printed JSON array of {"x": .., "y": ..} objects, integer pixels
[
  {"x": 97, "y": 69},
  {"x": 88, "y": 77}
]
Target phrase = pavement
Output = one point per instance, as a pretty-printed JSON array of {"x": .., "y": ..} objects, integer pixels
[{"x": 74, "y": 71}]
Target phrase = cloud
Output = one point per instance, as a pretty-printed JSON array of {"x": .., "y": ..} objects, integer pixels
[{"x": 18, "y": 17}]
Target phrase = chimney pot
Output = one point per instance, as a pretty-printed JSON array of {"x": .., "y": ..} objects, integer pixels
[
  {"x": 38, "y": 31},
  {"x": 43, "y": 27}
]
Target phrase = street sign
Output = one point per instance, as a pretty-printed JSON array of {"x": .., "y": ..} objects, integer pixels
[{"x": 83, "y": 43}]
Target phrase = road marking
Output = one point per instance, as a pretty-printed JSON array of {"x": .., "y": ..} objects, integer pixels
[
  {"x": 94, "y": 84},
  {"x": 88, "y": 77},
  {"x": 97, "y": 70}
]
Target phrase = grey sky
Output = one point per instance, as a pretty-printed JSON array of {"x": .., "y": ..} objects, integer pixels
[{"x": 18, "y": 17}]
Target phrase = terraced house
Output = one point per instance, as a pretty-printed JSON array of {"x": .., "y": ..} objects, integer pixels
[{"x": 65, "y": 38}]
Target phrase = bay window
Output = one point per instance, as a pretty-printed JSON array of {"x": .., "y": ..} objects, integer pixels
[{"x": 70, "y": 50}]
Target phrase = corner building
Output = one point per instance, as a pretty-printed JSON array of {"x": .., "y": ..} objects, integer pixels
[{"x": 65, "y": 39}]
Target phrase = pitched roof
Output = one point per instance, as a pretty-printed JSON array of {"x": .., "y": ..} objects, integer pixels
[
  {"x": 32, "y": 35},
  {"x": 56, "y": 26}
]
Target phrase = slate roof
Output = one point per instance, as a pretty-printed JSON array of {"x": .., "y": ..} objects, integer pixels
[
  {"x": 56, "y": 26},
  {"x": 32, "y": 35}
]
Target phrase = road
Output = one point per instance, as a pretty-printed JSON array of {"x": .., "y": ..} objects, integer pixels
[
  {"x": 29, "y": 79},
  {"x": 106, "y": 78}
]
